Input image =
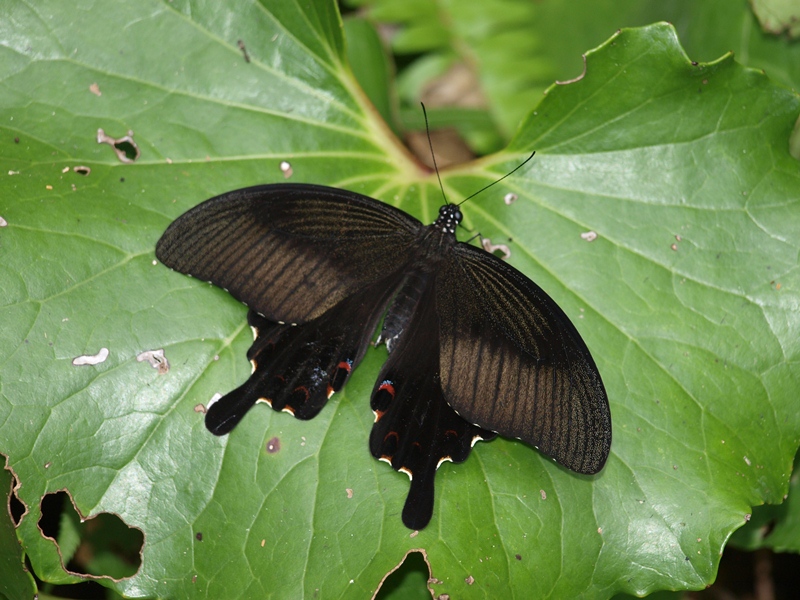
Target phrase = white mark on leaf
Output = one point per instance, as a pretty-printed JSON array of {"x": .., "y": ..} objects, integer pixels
[
  {"x": 91, "y": 359},
  {"x": 156, "y": 359},
  {"x": 492, "y": 248}
]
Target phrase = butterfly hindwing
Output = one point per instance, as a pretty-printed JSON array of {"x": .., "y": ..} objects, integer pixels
[
  {"x": 289, "y": 251},
  {"x": 296, "y": 368},
  {"x": 512, "y": 362},
  {"x": 415, "y": 429}
]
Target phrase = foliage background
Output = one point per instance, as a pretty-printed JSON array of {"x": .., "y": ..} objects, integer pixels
[{"x": 697, "y": 344}]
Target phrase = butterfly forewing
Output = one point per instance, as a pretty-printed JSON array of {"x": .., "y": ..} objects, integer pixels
[
  {"x": 290, "y": 252},
  {"x": 512, "y": 362}
]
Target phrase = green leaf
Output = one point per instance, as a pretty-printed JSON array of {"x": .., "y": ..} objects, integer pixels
[
  {"x": 775, "y": 527},
  {"x": 16, "y": 582},
  {"x": 697, "y": 345},
  {"x": 69, "y": 537},
  {"x": 371, "y": 66}
]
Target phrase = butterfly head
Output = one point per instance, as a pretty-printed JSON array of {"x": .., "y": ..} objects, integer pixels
[{"x": 449, "y": 218}]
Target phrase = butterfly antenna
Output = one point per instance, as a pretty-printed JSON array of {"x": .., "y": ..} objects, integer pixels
[
  {"x": 433, "y": 156},
  {"x": 484, "y": 188}
]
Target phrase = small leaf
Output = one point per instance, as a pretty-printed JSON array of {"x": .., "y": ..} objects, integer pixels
[{"x": 778, "y": 16}]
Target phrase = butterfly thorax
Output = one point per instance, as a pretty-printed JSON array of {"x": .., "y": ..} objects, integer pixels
[
  {"x": 449, "y": 218},
  {"x": 420, "y": 273}
]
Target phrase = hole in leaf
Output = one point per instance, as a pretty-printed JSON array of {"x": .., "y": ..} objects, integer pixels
[
  {"x": 410, "y": 575},
  {"x": 125, "y": 148},
  {"x": 100, "y": 546},
  {"x": 128, "y": 148},
  {"x": 15, "y": 507}
]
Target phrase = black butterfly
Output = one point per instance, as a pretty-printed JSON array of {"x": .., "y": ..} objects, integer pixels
[{"x": 475, "y": 347}]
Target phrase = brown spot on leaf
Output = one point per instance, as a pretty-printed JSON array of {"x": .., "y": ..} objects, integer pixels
[
  {"x": 274, "y": 445},
  {"x": 95, "y": 89},
  {"x": 243, "y": 48}
]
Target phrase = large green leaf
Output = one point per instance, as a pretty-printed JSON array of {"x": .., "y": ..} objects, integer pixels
[{"x": 687, "y": 300}]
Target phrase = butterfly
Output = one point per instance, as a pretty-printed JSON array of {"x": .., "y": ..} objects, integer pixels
[{"x": 475, "y": 348}]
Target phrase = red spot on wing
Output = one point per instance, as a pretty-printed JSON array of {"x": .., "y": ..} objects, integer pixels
[
  {"x": 388, "y": 387},
  {"x": 340, "y": 375}
]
